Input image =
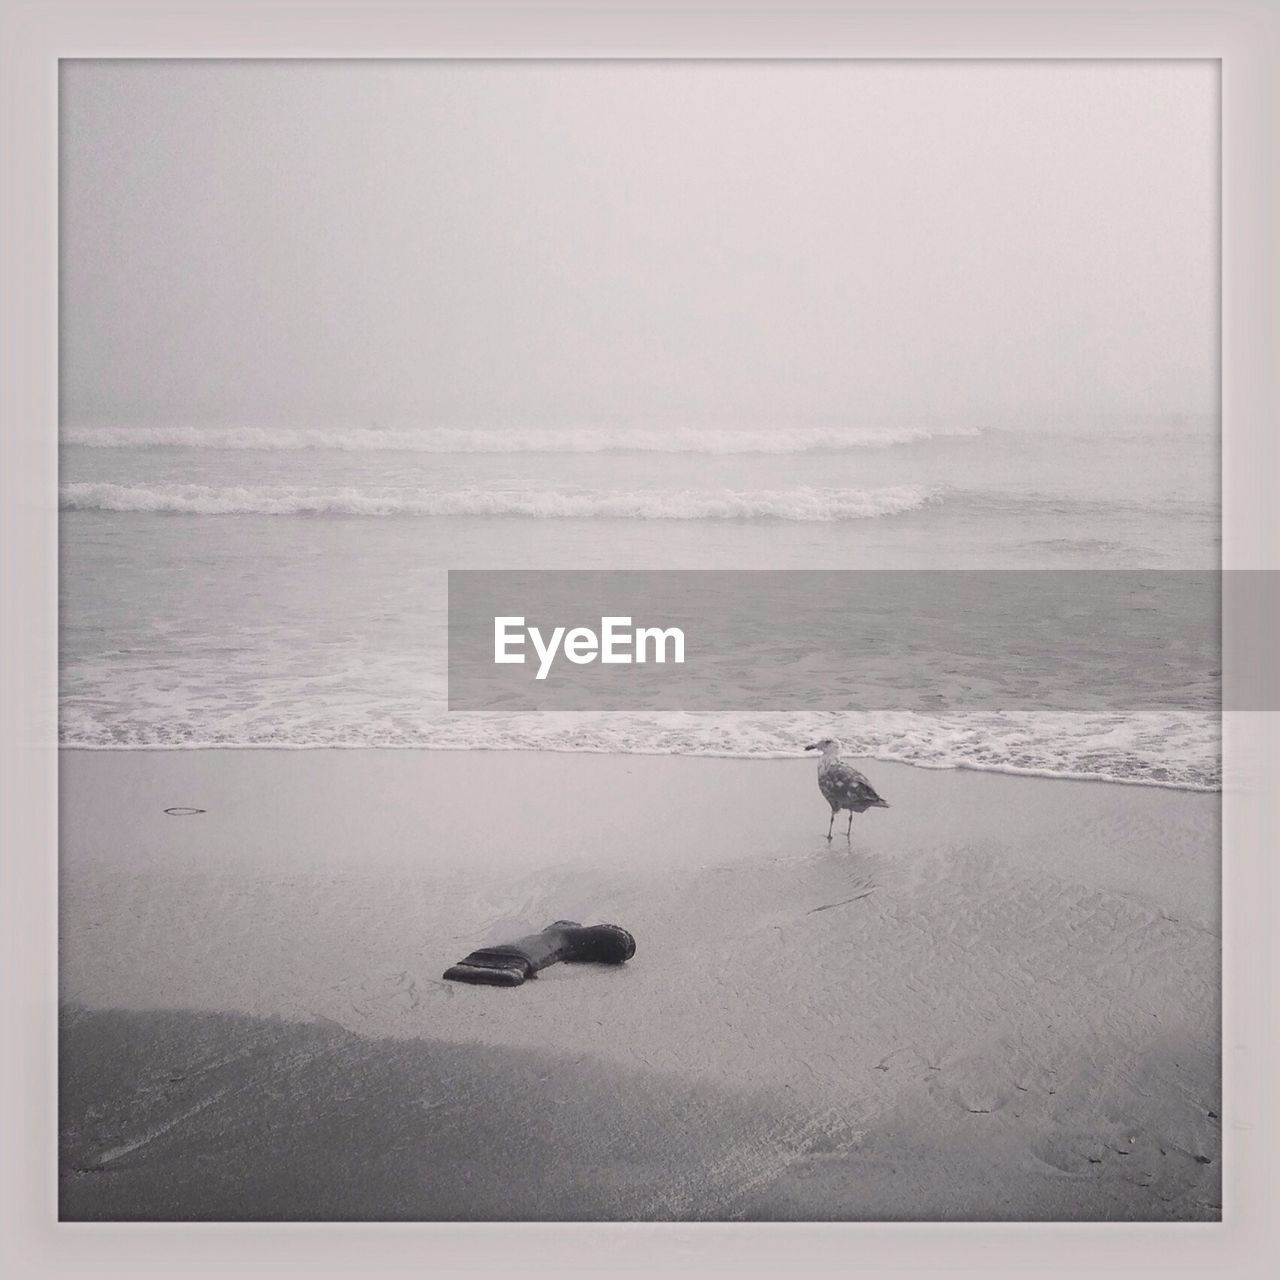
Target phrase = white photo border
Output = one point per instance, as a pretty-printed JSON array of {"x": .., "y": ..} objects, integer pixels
[{"x": 1243, "y": 35}]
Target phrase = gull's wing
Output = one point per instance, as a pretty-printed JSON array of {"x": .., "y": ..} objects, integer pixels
[{"x": 842, "y": 784}]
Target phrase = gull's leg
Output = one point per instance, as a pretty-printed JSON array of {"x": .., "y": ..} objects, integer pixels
[
  {"x": 831, "y": 824},
  {"x": 848, "y": 835}
]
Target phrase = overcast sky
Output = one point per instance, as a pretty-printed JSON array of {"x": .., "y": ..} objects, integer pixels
[{"x": 556, "y": 243}]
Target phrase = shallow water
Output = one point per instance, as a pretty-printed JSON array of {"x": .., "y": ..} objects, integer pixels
[{"x": 257, "y": 587}]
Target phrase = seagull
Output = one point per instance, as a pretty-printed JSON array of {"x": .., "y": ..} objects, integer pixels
[{"x": 842, "y": 786}]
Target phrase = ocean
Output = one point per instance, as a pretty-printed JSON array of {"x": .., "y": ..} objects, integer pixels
[{"x": 285, "y": 587}]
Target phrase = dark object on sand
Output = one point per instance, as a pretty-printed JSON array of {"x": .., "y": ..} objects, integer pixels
[
  {"x": 509, "y": 964},
  {"x": 181, "y": 811}
]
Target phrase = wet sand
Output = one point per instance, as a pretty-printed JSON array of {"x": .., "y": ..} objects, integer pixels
[{"x": 1000, "y": 1001}]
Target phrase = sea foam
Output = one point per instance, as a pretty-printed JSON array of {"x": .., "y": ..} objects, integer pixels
[{"x": 1175, "y": 749}]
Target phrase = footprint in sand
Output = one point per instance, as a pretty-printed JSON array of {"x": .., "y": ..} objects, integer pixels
[
  {"x": 829, "y": 1133},
  {"x": 973, "y": 1086}
]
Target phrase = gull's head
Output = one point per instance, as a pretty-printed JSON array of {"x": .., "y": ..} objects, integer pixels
[{"x": 828, "y": 746}]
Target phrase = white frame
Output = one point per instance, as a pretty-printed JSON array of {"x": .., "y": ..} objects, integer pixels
[{"x": 1243, "y": 34}]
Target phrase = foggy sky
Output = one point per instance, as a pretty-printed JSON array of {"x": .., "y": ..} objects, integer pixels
[{"x": 562, "y": 244}]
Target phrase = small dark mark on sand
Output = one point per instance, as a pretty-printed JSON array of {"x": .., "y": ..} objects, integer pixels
[
  {"x": 1202, "y": 1160},
  {"x": 828, "y": 906}
]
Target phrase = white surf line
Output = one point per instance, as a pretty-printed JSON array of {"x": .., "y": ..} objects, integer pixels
[{"x": 152, "y": 1134}]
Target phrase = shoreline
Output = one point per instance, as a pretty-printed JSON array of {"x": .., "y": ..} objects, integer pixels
[
  {"x": 1012, "y": 771},
  {"x": 1001, "y": 1000}
]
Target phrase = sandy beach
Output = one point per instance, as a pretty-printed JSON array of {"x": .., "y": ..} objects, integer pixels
[{"x": 1000, "y": 1001}]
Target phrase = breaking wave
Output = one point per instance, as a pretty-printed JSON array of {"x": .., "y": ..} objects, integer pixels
[
  {"x": 683, "y": 504},
  {"x": 514, "y": 440},
  {"x": 1175, "y": 749}
]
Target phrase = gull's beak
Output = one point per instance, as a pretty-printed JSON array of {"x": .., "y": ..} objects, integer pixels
[{"x": 813, "y": 746}]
